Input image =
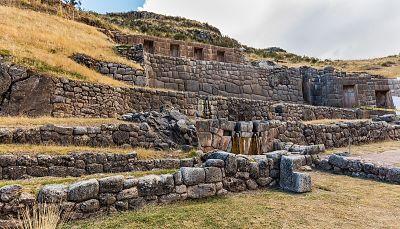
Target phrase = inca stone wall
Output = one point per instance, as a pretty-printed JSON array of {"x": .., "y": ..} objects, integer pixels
[
  {"x": 116, "y": 71},
  {"x": 263, "y": 136},
  {"x": 135, "y": 135},
  {"x": 225, "y": 79},
  {"x": 14, "y": 167},
  {"x": 185, "y": 49},
  {"x": 133, "y": 52},
  {"x": 220, "y": 173},
  {"x": 25, "y": 93},
  {"x": 358, "y": 168},
  {"x": 327, "y": 87}
]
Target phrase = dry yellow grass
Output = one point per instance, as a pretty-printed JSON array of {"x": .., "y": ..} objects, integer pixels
[
  {"x": 28, "y": 122},
  {"x": 384, "y": 66},
  {"x": 333, "y": 121},
  {"x": 35, "y": 38},
  {"x": 379, "y": 147},
  {"x": 142, "y": 153},
  {"x": 335, "y": 202}
]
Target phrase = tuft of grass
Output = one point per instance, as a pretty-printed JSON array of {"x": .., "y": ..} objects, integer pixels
[
  {"x": 349, "y": 203},
  {"x": 43, "y": 216},
  {"x": 45, "y": 42}
]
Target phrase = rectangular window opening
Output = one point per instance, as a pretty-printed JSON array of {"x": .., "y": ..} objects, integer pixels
[
  {"x": 198, "y": 53},
  {"x": 221, "y": 56},
  {"x": 174, "y": 50},
  {"x": 148, "y": 46}
]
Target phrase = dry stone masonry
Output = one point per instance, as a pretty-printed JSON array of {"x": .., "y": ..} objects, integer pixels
[
  {"x": 225, "y": 79},
  {"x": 220, "y": 173},
  {"x": 340, "y": 164},
  {"x": 116, "y": 71},
  {"x": 257, "y": 137},
  {"x": 147, "y": 133},
  {"x": 15, "y": 167}
]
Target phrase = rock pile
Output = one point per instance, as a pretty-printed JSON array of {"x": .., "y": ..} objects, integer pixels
[{"x": 170, "y": 124}]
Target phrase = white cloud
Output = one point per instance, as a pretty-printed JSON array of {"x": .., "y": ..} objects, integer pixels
[{"x": 323, "y": 28}]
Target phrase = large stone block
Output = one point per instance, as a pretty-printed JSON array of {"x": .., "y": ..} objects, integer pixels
[
  {"x": 193, "y": 176},
  {"x": 289, "y": 179},
  {"x": 230, "y": 160},
  {"x": 53, "y": 194},
  {"x": 213, "y": 175},
  {"x": 201, "y": 191},
  {"x": 84, "y": 190},
  {"x": 111, "y": 184}
]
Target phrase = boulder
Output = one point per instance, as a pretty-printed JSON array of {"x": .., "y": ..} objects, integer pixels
[
  {"x": 193, "y": 176},
  {"x": 113, "y": 184},
  {"x": 10, "y": 192},
  {"x": 213, "y": 175},
  {"x": 201, "y": 191},
  {"x": 84, "y": 190},
  {"x": 293, "y": 181},
  {"x": 230, "y": 160},
  {"x": 55, "y": 193}
]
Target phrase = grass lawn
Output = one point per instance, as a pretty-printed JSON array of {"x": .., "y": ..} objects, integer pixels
[{"x": 336, "y": 202}]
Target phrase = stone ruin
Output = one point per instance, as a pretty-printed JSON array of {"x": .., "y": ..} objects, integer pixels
[{"x": 246, "y": 120}]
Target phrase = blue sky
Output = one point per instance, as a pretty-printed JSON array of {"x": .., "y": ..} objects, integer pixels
[{"x": 107, "y": 6}]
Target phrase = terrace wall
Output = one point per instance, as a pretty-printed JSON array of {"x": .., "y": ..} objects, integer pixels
[
  {"x": 225, "y": 79},
  {"x": 162, "y": 46},
  {"x": 263, "y": 136},
  {"x": 24, "y": 92}
]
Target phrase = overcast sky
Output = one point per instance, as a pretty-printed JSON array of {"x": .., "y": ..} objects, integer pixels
[{"x": 344, "y": 29}]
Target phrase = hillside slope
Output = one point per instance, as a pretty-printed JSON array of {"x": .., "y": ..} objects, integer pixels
[
  {"x": 45, "y": 42},
  {"x": 172, "y": 27},
  {"x": 385, "y": 66}
]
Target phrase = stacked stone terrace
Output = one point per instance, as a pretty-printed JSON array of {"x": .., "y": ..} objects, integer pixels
[{"x": 254, "y": 114}]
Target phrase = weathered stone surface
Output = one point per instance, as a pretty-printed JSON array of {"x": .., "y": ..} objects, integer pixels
[
  {"x": 111, "y": 184},
  {"x": 128, "y": 194},
  {"x": 89, "y": 206},
  {"x": 293, "y": 181},
  {"x": 10, "y": 192},
  {"x": 83, "y": 190},
  {"x": 193, "y": 176},
  {"x": 229, "y": 159},
  {"x": 213, "y": 175},
  {"x": 201, "y": 191},
  {"x": 234, "y": 185},
  {"x": 53, "y": 194},
  {"x": 215, "y": 163}
]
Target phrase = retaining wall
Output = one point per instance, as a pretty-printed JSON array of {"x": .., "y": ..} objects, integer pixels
[
  {"x": 262, "y": 136},
  {"x": 23, "y": 92},
  {"x": 135, "y": 135},
  {"x": 116, "y": 71},
  {"x": 225, "y": 79},
  {"x": 358, "y": 168},
  {"x": 14, "y": 167},
  {"x": 221, "y": 173}
]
